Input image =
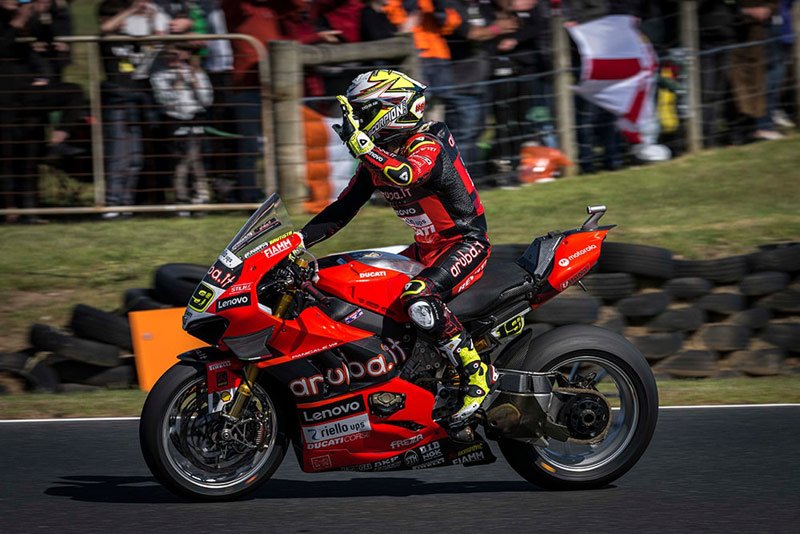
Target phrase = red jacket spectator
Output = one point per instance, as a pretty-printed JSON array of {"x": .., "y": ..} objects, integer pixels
[
  {"x": 301, "y": 22},
  {"x": 297, "y": 22},
  {"x": 342, "y": 15},
  {"x": 331, "y": 21},
  {"x": 256, "y": 18}
]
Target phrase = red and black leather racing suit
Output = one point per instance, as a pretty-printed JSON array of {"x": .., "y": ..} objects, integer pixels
[{"x": 430, "y": 190}]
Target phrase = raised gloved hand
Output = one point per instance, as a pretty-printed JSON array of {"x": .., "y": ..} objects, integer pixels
[{"x": 357, "y": 142}]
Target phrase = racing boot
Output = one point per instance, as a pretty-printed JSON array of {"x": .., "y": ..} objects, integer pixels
[{"x": 477, "y": 378}]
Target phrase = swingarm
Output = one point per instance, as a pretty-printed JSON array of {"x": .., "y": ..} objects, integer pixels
[{"x": 530, "y": 406}]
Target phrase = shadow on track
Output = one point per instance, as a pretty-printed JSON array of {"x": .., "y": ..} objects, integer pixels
[
  {"x": 381, "y": 487},
  {"x": 91, "y": 488},
  {"x": 141, "y": 489}
]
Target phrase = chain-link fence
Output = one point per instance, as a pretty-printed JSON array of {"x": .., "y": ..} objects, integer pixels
[
  {"x": 151, "y": 129},
  {"x": 156, "y": 125}
]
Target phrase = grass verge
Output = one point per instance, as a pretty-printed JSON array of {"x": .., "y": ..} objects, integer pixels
[
  {"x": 128, "y": 403},
  {"x": 717, "y": 203}
]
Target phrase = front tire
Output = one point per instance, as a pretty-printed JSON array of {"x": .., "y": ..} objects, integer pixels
[
  {"x": 623, "y": 375},
  {"x": 183, "y": 445}
]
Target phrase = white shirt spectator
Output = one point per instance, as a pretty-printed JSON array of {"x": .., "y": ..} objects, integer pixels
[{"x": 182, "y": 91}]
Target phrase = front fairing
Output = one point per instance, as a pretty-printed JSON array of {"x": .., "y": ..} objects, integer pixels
[
  {"x": 229, "y": 287},
  {"x": 226, "y": 309}
]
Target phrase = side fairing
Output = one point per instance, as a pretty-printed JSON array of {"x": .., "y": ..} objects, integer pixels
[
  {"x": 347, "y": 368},
  {"x": 348, "y": 433},
  {"x": 228, "y": 289}
]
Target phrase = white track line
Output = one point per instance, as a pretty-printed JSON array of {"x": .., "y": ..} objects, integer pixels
[
  {"x": 69, "y": 420},
  {"x": 704, "y": 406},
  {"x": 96, "y": 419}
]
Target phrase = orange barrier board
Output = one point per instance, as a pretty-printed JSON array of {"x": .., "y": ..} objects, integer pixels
[{"x": 157, "y": 341}]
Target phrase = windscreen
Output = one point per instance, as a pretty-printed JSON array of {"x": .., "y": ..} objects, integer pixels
[{"x": 269, "y": 222}]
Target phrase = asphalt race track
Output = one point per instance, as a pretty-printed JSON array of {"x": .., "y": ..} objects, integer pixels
[{"x": 707, "y": 470}]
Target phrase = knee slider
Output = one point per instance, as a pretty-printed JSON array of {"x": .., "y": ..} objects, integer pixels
[{"x": 422, "y": 314}]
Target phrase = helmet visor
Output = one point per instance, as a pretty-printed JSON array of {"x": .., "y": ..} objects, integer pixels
[{"x": 367, "y": 111}]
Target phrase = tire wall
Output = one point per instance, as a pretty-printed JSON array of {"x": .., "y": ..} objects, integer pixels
[
  {"x": 94, "y": 350},
  {"x": 690, "y": 318},
  {"x": 734, "y": 316}
]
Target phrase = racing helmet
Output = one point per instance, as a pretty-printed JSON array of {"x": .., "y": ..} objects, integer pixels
[{"x": 387, "y": 103}]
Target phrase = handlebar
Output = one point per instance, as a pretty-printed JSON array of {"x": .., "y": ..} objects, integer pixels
[{"x": 309, "y": 288}]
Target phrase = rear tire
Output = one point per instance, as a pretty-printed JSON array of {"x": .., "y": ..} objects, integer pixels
[
  {"x": 178, "y": 453},
  {"x": 632, "y": 427}
]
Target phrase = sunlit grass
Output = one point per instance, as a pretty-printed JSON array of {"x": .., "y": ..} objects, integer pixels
[{"x": 718, "y": 203}]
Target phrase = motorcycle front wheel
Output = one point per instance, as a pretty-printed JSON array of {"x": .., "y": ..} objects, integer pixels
[
  {"x": 201, "y": 455},
  {"x": 607, "y": 362}
]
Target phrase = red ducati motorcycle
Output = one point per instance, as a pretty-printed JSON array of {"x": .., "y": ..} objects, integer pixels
[{"x": 319, "y": 354}]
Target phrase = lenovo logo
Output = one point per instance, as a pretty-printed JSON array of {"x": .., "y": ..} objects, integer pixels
[
  {"x": 349, "y": 406},
  {"x": 233, "y": 302}
]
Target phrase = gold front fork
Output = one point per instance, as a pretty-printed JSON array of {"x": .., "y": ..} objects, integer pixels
[
  {"x": 243, "y": 393},
  {"x": 283, "y": 305},
  {"x": 287, "y": 298}
]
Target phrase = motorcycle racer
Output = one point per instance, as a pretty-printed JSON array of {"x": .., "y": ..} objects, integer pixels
[{"x": 417, "y": 168}]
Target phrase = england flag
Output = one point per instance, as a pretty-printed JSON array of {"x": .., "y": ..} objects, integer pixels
[{"x": 618, "y": 73}]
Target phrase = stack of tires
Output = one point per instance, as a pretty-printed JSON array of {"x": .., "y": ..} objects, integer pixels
[
  {"x": 690, "y": 318},
  {"x": 94, "y": 350},
  {"x": 730, "y": 316}
]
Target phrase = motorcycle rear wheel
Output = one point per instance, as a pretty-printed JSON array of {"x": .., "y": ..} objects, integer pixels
[
  {"x": 623, "y": 376},
  {"x": 182, "y": 443}
]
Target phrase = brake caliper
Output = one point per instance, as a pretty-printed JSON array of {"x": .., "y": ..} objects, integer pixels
[{"x": 223, "y": 378}]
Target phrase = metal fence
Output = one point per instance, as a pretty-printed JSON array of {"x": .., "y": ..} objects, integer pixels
[
  {"x": 698, "y": 103},
  {"x": 135, "y": 142},
  {"x": 129, "y": 155}
]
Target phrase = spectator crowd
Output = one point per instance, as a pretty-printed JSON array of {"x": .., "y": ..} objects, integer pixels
[{"x": 182, "y": 119}]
